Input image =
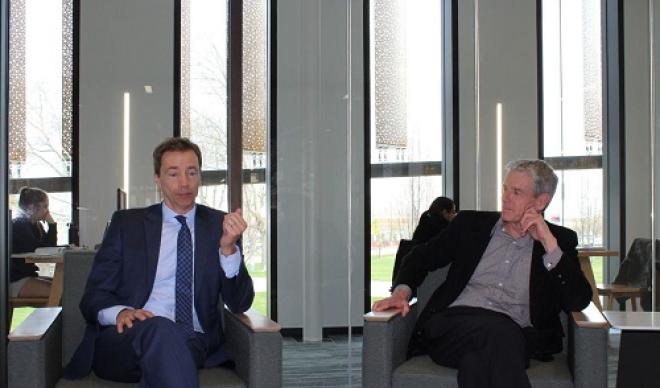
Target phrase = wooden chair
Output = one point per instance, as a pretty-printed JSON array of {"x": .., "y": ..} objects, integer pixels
[
  {"x": 613, "y": 290},
  {"x": 634, "y": 278}
]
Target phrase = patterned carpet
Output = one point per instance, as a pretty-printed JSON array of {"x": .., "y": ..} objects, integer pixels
[{"x": 332, "y": 363}]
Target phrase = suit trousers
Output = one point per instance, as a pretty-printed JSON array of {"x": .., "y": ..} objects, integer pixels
[
  {"x": 488, "y": 348},
  {"x": 154, "y": 352}
]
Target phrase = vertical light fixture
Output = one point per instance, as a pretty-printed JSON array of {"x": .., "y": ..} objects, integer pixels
[
  {"x": 127, "y": 144},
  {"x": 498, "y": 164}
]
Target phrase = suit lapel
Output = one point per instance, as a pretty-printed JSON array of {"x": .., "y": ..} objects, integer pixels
[{"x": 153, "y": 225}]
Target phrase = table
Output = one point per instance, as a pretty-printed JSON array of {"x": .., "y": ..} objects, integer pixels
[
  {"x": 55, "y": 296},
  {"x": 584, "y": 256},
  {"x": 639, "y": 352}
]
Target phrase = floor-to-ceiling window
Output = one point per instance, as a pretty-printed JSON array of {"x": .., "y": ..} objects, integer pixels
[
  {"x": 572, "y": 44},
  {"x": 40, "y": 103},
  {"x": 406, "y": 124},
  {"x": 204, "y": 99}
]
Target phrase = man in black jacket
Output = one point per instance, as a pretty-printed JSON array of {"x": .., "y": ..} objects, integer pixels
[{"x": 511, "y": 274}]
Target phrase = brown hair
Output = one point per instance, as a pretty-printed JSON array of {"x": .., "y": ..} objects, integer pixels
[
  {"x": 175, "y": 144},
  {"x": 30, "y": 196}
]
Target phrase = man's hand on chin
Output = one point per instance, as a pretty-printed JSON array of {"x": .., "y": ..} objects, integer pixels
[
  {"x": 398, "y": 301},
  {"x": 532, "y": 222}
]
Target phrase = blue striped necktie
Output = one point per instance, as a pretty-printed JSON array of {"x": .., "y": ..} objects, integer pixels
[{"x": 183, "y": 288}]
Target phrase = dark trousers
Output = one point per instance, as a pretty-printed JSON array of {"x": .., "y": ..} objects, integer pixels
[
  {"x": 154, "y": 352},
  {"x": 488, "y": 348}
]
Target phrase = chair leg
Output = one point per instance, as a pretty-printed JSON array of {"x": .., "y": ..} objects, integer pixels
[
  {"x": 610, "y": 300},
  {"x": 633, "y": 301}
]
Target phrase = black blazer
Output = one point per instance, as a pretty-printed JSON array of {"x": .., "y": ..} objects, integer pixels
[
  {"x": 462, "y": 245},
  {"x": 124, "y": 270},
  {"x": 26, "y": 236}
]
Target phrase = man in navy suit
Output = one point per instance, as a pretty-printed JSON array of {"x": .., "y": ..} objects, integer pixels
[
  {"x": 511, "y": 274},
  {"x": 151, "y": 300}
]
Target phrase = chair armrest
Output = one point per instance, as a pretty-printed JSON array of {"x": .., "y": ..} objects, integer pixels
[
  {"x": 587, "y": 347},
  {"x": 34, "y": 352},
  {"x": 385, "y": 344},
  {"x": 590, "y": 316},
  {"x": 255, "y": 344}
]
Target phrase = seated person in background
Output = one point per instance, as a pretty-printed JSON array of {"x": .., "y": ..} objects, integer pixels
[
  {"x": 434, "y": 220},
  {"x": 431, "y": 223},
  {"x": 27, "y": 234},
  {"x": 152, "y": 297},
  {"x": 511, "y": 274}
]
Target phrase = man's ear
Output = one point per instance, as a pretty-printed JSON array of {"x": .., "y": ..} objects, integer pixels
[{"x": 542, "y": 201}]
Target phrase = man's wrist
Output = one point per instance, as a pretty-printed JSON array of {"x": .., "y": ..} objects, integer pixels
[
  {"x": 403, "y": 291},
  {"x": 550, "y": 244},
  {"x": 228, "y": 250}
]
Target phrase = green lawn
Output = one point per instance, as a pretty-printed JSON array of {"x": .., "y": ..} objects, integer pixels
[
  {"x": 20, "y": 313},
  {"x": 260, "y": 303},
  {"x": 597, "y": 267},
  {"x": 381, "y": 267}
]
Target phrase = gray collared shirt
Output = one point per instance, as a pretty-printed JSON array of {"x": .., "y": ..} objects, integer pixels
[{"x": 501, "y": 280}]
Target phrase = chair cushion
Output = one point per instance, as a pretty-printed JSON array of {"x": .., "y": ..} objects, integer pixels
[
  {"x": 421, "y": 371},
  {"x": 208, "y": 378}
]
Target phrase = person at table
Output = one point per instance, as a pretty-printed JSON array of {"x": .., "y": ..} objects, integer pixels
[
  {"x": 511, "y": 274},
  {"x": 435, "y": 219},
  {"x": 151, "y": 299},
  {"x": 27, "y": 234}
]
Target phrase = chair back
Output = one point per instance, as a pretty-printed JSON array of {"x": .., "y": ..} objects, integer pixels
[
  {"x": 404, "y": 247},
  {"x": 635, "y": 269},
  {"x": 77, "y": 265}
]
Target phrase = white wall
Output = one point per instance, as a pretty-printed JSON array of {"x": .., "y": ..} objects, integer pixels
[
  {"x": 124, "y": 45},
  {"x": 316, "y": 208},
  {"x": 507, "y": 75},
  {"x": 637, "y": 132}
]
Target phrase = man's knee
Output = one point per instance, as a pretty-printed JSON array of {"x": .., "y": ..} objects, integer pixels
[{"x": 158, "y": 331}]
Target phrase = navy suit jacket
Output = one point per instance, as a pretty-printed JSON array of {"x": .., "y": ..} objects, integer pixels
[
  {"x": 463, "y": 243},
  {"x": 124, "y": 270}
]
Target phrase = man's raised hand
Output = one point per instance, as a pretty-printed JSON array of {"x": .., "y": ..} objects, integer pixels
[{"x": 232, "y": 227}]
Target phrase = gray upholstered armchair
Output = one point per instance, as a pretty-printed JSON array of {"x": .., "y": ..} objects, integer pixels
[
  {"x": 46, "y": 340},
  {"x": 583, "y": 364}
]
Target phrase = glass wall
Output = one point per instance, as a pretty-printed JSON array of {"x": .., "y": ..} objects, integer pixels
[{"x": 406, "y": 73}]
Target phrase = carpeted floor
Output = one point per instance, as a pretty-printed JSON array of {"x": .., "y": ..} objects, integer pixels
[{"x": 333, "y": 363}]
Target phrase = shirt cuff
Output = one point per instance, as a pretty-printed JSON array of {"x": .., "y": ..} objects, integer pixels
[
  {"x": 108, "y": 316},
  {"x": 551, "y": 259},
  {"x": 231, "y": 264}
]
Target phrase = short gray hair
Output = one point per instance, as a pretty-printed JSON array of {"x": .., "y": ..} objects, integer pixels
[{"x": 544, "y": 177}]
